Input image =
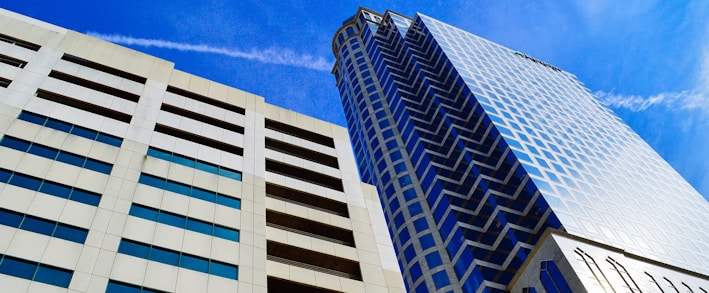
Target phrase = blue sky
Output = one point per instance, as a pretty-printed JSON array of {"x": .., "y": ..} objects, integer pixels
[{"x": 647, "y": 59}]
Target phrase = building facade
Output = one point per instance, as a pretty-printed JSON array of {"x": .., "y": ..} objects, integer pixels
[
  {"x": 119, "y": 173},
  {"x": 498, "y": 171}
]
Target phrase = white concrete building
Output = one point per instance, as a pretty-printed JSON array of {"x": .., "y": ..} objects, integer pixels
[{"x": 119, "y": 173}]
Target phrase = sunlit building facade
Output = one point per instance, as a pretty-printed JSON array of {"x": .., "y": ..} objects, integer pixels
[
  {"x": 498, "y": 171},
  {"x": 119, "y": 173}
]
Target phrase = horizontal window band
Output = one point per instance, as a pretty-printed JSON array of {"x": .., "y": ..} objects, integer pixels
[
  {"x": 49, "y": 187},
  {"x": 56, "y": 154},
  {"x": 199, "y": 139},
  {"x": 309, "y": 227},
  {"x": 188, "y": 190},
  {"x": 71, "y": 102},
  {"x": 35, "y": 271},
  {"x": 122, "y": 287},
  {"x": 300, "y": 133},
  {"x": 104, "y": 68},
  {"x": 313, "y": 260},
  {"x": 194, "y": 163},
  {"x": 184, "y": 222},
  {"x": 94, "y": 86},
  {"x": 206, "y": 100},
  {"x": 202, "y": 118},
  {"x": 178, "y": 259},
  {"x": 301, "y": 152},
  {"x": 70, "y": 128},
  {"x": 42, "y": 226}
]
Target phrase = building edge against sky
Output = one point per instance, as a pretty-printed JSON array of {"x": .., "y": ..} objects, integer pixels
[
  {"x": 119, "y": 173},
  {"x": 498, "y": 171}
]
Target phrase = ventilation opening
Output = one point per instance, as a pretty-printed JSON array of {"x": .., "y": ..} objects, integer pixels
[
  {"x": 104, "y": 68},
  {"x": 309, "y": 228},
  {"x": 4, "y": 82},
  {"x": 202, "y": 118},
  {"x": 307, "y": 200},
  {"x": 206, "y": 100},
  {"x": 301, "y": 152},
  {"x": 199, "y": 139},
  {"x": 94, "y": 86},
  {"x": 276, "y": 285},
  {"x": 71, "y": 102},
  {"x": 304, "y": 174},
  {"x": 12, "y": 61},
  {"x": 313, "y": 260},
  {"x": 19, "y": 43},
  {"x": 300, "y": 133}
]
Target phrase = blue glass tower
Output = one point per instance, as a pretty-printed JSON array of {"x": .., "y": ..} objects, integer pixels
[{"x": 478, "y": 150}]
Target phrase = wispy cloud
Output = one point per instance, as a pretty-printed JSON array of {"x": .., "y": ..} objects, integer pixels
[
  {"x": 684, "y": 100},
  {"x": 271, "y": 55}
]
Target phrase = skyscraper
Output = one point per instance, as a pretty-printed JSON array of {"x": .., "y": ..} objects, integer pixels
[
  {"x": 119, "y": 173},
  {"x": 498, "y": 171}
]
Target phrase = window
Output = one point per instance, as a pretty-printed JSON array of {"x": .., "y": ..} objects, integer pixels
[
  {"x": 194, "y": 163},
  {"x": 55, "y": 154},
  {"x": 49, "y": 187},
  {"x": 42, "y": 226},
  {"x": 35, "y": 271},
  {"x": 70, "y": 128},
  {"x": 184, "y": 222},
  {"x": 180, "y": 259},
  {"x": 552, "y": 279},
  {"x": 121, "y": 287},
  {"x": 190, "y": 191}
]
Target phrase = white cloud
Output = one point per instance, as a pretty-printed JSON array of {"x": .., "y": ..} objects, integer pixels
[
  {"x": 684, "y": 100},
  {"x": 271, "y": 55}
]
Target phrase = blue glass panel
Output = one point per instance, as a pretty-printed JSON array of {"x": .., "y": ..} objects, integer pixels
[
  {"x": 83, "y": 132},
  {"x": 164, "y": 256},
  {"x": 433, "y": 260},
  {"x": 440, "y": 279},
  {"x": 18, "y": 267},
  {"x": 4, "y": 176},
  {"x": 230, "y": 174},
  {"x": 55, "y": 189},
  {"x": 224, "y": 270},
  {"x": 59, "y": 125},
  {"x": 207, "y": 167},
  {"x": 116, "y": 287},
  {"x": 143, "y": 212},
  {"x": 415, "y": 209},
  {"x": 71, "y": 159},
  {"x": 226, "y": 233},
  {"x": 15, "y": 143},
  {"x": 203, "y": 194},
  {"x": 176, "y": 187},
  {"x": 427, "y": 241},
  {"x": 229, "y": 201},
  {"x": 420, "y": 224},
  {"x": 199, "y": 226},
  {"x": 109, "y": 139},
  {"x": 38, "y": 225},
  {"x": 32, "y": 117},
  {"x": 134, "y": 249},
  {"x": 153, "y": 152},
  {"x": 43, "y": 151},
  {"x": 171, "y": 219},
  {"x": 182, "y": 160},
  {"x": 194, "y": 263},
  {"x": 10, "y": 218},
  {"x": 98, "y": 166},
  {"x": 151, "y": 180},
  {"x": 85, "y": 197},
  {"x": 70, "y": 233},
  {"x": 421, "y": 288},
  {"x": 25, "y": 181},
  {"x": 53, "y": 276}
]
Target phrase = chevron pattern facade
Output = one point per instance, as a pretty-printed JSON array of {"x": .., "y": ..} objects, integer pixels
[{"x": 475, "y": 155}]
